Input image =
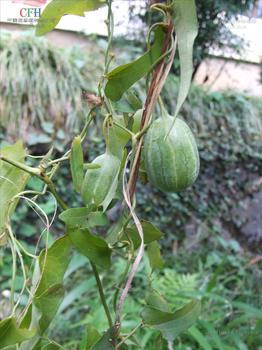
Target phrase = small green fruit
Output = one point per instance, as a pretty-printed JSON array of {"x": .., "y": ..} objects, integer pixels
[
  {"x": 137, "y": 120},
  {"x": 100, "y": 183},
  {"x": 171, "y": 159}
]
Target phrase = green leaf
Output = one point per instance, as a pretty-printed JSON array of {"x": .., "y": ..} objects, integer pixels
[
  {"x": 93, "y": 247},
  {"x": 172, "y": 324},
  {"x": 58, "y": 8},
  {"x": 186, "y": 27},
  {"x": 51, "y": 346},
  {"x": 83, "y": 218},
  {"x": 151, "y": 233},
  {"x": 77, "y": 163},
  {"x": 123, "y": 77},
  {"x": 92, "y": 337},
  {"x": 248, "y": 309},
  {"x": 48, "y": 292},
  {"x": 155, "y": 259},
  {"x": 200, "y": 338},
  {"x": 212, "y": 332},
  {"x": 12, "y": 182},
  {"x": 11, "y": 334},
  {"x": 75, "y": 216},
  {"x": 104, "y": 343},
  {"x": 156, "y": 301}
]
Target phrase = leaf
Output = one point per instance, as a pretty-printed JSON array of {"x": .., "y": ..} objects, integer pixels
[
  {"x": 200, "y": 338},
  {"x": 151, "y": 233},
  {"x": 77, "y": 163},
  {"x": 212, "y": 332},
  {"x": 92, "y": 337},
  {"x": 58, "y": 8},
  {"x": 156, "y": 301},
  {"x": 11, "y": 334},
  {"x": 104, "y": 343},
  {"x": 75, "y": 216},
  {"x": 48, "y": 294},
  {"x": 155, "y": 259},
  {"x": 248, "y": 309},
  {"x": 93, "y": 247},
  {"x": 172, "y": 324},
  {"x": 51, "y": 346},
  {"x": 12, "y": 182},
  {"x": 186, "y": 26},
  {"x": 123, "y": 77},
  {"x": 83, "y": 217}
]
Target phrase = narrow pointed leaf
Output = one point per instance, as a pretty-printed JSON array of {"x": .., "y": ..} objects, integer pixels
[
  {"x": 123, "y": 77},
  {"x": 77, "y": 163},
  {"x": 200, "y": 338},
  {"x": 186, "y": 27},
  {"x": 58, "y": 8}
]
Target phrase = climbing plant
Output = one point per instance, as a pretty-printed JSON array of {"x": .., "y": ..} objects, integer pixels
[{"x": 145, "y": 142}]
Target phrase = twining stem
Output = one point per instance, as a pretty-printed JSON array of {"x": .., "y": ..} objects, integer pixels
[
  {"x": 159, "y": 76},
  {"x": 102, "y": 295}
]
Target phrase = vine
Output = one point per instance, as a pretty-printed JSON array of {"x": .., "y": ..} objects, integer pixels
[{"x": 110, "y": 178}]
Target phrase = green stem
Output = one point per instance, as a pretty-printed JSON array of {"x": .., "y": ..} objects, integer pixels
[
  {"x": 37, "y": 172},
  {"x": 28, "y": 169},
  {"x": 121, "y": 282},
  {"x": 124, "y": 128},
  {"x": 102, "y": 295},
  {"x": 60, "y": 201}
]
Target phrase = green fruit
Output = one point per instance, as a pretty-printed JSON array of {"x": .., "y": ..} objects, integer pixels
[
  {"x": 101, "y": 183},
  {"x": 137, "y": 121},
  {"x": 171, "y": 159}
]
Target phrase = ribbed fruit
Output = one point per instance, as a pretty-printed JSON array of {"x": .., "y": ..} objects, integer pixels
[
  {"x": 171, "y": 160},
  {"x": 98, "y": 182}
]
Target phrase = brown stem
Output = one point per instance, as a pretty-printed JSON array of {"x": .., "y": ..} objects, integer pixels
[{"x": 157, "y": 82}]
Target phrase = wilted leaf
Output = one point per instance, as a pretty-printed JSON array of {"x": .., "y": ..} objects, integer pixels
[
  {"x": 186, "y": 27},
  {"x": 93, "y": 247},
  {"x": 58, "y": 8},
  {"x": 77, "y": 163},
  {"x": 123, "y": 77},
  {"x": 172, "y": 324},
  {"x": 11, "y": 334}
]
